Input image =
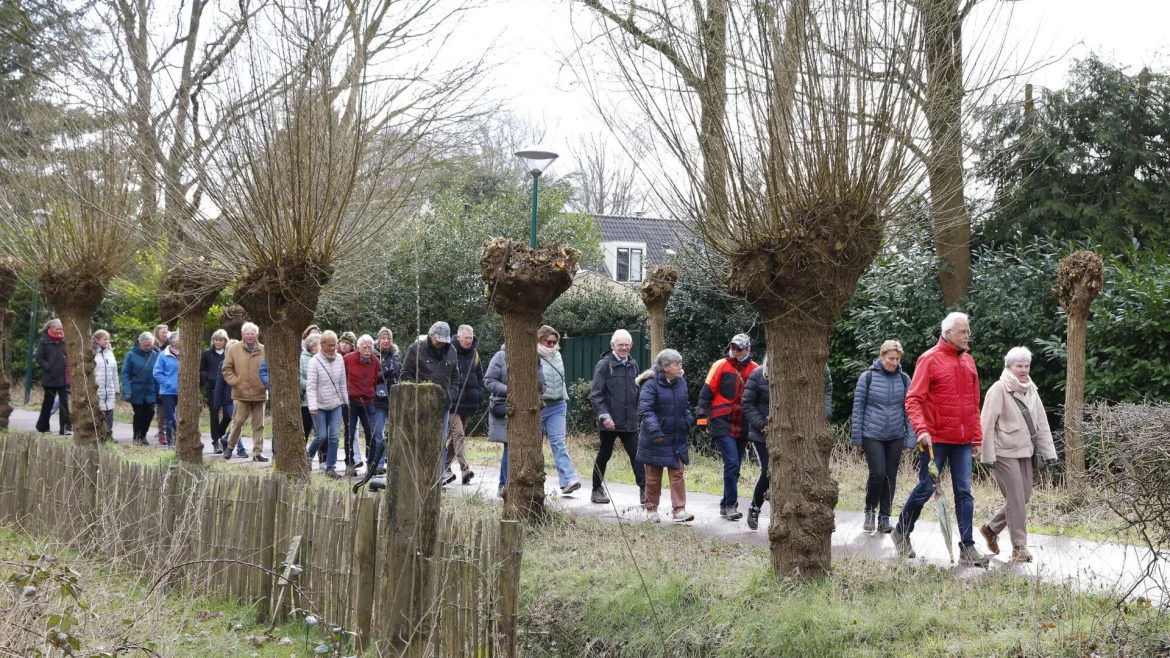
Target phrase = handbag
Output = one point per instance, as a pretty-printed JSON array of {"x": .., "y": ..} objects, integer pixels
[
  {"x": 1037, "y": 461},
  {"x": 498, "y": 407}
]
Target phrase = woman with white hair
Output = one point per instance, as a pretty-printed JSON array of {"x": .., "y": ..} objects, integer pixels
[
  {"x": 1016, "y": 441},
  {"x": 138, "y": 385},
  {"x": 210, "y": 363},
  {"x": 665, "y": 417},
  {"x": 105, "y": 371}
]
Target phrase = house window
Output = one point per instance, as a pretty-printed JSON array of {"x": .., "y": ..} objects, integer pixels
[{"x": 629, "y": 264}]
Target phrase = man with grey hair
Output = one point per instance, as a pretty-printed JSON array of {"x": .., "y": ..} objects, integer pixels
[
  {"x": 241, "y": 371},
  {"x": 467, "y": 398},
  {"x": 943, "y": 406},
  {"x": 614, "y": 396},
  {"x": 432, "y": 359}
]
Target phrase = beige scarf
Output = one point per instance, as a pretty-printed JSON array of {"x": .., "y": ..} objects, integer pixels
[
  {"x": 1025, "y": 391},
  {"x": 546, "y": 351}
]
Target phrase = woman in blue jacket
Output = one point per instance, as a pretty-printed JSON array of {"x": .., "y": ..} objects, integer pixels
[
  {"x": 664, "y": 419},
  {"x": 882, "y": 430},
  {"x": 138, "y": 385},
  {"x": 166, "y": 373}
]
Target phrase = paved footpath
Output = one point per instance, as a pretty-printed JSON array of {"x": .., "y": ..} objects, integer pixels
[{"x": 1085, "y": 564}]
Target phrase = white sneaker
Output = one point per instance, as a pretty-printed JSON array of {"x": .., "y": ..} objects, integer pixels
[
  {"x": 653, "y": 517},
  {"x": 682, "y": 516}
]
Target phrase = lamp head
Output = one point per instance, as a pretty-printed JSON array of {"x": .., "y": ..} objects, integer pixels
[{"x": 536, "y": 161}]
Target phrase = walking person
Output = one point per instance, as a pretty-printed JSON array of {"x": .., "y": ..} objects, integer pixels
[
  {"x": 431, "y": 359},
  {"x": 943, "y": 406},
  {"x": 138, "y": 385},
  {"x": 210, "y": 363},
  {"x": 347, "y": 344},
  {"x": 162, "y": 337},
  {"x": 224, "y": 407},
  {"x": 756, "y": 401},
  {"x": 720, "y": 411},
  {"x": 53, "y": 361},
  {"x": 468, "y": 397},
  {"x": 105, "y": 372},
  {"x": 241, "y": 371},
  {"x": 665, "y": 419},
  {"x": 326, "y": 394},
  {"x": 496, "y": 382},
  {"x": 310, "y": 345},
  {"x": 614, "y": 396},
  {"x": 882, "y": 431},
  {"x": 1016, "y": 441},
  {"x": 554, "y": 414},
  {"x": 391, "y": 370},
  {"x": 166, "y": 373},
  {"x": 362, "y": 370}
]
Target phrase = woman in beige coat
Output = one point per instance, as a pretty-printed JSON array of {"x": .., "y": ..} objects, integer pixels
[{"x": 1010, "y": 441}]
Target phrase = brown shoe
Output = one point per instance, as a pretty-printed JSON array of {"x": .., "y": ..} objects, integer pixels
[
  {"x": 991, "y": 537},
  {"x": 1021, "y": 555}
]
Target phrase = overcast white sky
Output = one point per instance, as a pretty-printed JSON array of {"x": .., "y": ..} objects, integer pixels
[{"x": 531, "y": 37}]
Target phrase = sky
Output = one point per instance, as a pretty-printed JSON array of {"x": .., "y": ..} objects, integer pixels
[{"x": 531, "y": 39}]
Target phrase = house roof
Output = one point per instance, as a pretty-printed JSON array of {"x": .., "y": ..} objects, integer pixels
[{"x": 658, "y": 234}]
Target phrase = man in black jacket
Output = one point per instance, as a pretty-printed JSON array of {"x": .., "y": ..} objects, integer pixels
[
  {"x": 54, "y": 364},
  {"x": 614, "y": 397},
  {"x": 468, "y": 397},
  {"x": 432, "y": 359}
]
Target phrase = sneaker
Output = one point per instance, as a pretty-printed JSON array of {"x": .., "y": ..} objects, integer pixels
[
  {"x": 215, "y": 446},
  {"x": 653, "y": 517},
  {"x": 571, "y": 487},
  {"x": 447, "y": 479},
  {"x": 381, "y": 471},
  {"x": 730, "y": 513},
  {"x": 884, "y": 526},
  {"x": 902, "y": 544},
  {"x": 470, "y": 474},
  {"x": 350, "y": 470},
  {"x": 1021, "y": 555},
  {"x": 682, "y": 516},
  {"x": 162, "y": 439},
  {"x": 240, "y": 452},
  {"x": 599, "y": 497},
  {"x": 500, "y": 492},
  {"x": 227, "y": 454},
  {"x": 870, "y": 523},
  {"x": 332, "y": 474},
  {"x": 259, "y": 458},
  {"x": 971, "y": 557},
  {"x": 359, "y": 465},
  {"x": 753, "y": 517},
  {"x": 990, "y": 537}
]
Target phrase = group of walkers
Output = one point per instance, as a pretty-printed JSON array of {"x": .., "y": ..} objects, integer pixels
[{"x": 345, "y": 382}]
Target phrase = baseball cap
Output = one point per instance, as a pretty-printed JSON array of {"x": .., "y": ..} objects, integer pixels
[
  {"x": 742, "y": 341},
  {"x": 441, "y": 331}
]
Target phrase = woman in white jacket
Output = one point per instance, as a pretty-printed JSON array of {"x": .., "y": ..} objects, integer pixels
[
  {"x": 326, "y": 394},
  {"x": 105, "y": 371}
]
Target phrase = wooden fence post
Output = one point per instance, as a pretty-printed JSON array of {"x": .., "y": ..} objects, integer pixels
[
  {"x": 511, "y": 553},
  {"x": 23, "y": 477},
  {"x": 410, "y": 522},
  {"x": 270, "y": 496},
  {"x": 364, "y": 562}
]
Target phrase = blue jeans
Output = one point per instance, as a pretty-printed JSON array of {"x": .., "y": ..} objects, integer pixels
[
  {"x": 170, "y": 404},
  {"x": 504, "y": 467},
  {"x": 325, "y": 430},
  {"x": 378, "y": 424},
  {"x": 959, "y": 457},
  {"x": 552, "y": 418},
  {"x": 733, "y": 452}
]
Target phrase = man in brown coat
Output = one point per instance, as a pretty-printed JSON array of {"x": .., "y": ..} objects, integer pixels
[{"x": 241, "y": 371}]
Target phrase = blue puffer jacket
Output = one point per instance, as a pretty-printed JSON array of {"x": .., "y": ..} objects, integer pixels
[
  {"x": 138, "y": 385},
  {"x": 665, "y": 417},
  {"x": 879, "y": 406},
  {"x": 166, "y": 373}
]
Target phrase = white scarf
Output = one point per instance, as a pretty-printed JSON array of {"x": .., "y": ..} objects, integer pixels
[
  {"x": 546, "y": 351},
  {"x": 1025, "y": 391}
]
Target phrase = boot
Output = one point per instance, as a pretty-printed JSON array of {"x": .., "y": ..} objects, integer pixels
[
  {"x": 753, "y": 517},
  {"x": 730, "y": 513},
  {"x": 884, "y": 526},
  {"x": 870, "y": 521}
]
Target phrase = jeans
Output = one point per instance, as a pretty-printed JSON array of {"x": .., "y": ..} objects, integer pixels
[
  {"x": 630, "y": 443},
  {"x": 325, "y": 427},
  {"x": 883, "y": 458},
  {"x": 761, "y": 490},
  {"x": 52, "y": 393},
  {"x": 170, "y": 404},
  {"x": 552, "y": 418},
  {"x": 358, "y": 413},
  {"x": 733, "y": 452},
  {"x": 959, "y": 457},
  {"x": 143, "y": 415},
  {"x": 504, "y": 467},
  {"x": 379, "y": 424}
]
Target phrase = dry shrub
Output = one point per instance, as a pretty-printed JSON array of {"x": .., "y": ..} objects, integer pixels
[{"x": 1133, "y": 467}]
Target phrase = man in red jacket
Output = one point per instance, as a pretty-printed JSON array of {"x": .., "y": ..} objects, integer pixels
[
  {"x": 943, "y": 406},
  {"x": 361, "y": 376}
]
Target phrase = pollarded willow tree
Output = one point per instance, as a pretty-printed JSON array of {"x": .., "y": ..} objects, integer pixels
[
  {"x": 656, "y": 292},
  {"x": 1078, "y": 282},
  {"x": 303, "y": 183},
  {"x": 65, "y": 225},
  {"x": 789, "y": 162}
]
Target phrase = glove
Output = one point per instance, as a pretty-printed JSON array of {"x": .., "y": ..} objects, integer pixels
[{"x": 1049, "y": 463}]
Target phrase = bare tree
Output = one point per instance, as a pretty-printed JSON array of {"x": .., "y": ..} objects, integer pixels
[
  {"x": 1078, "y": 282},
  {"x": 603, "y": 185},
  {"x": 789, "y": 163}
]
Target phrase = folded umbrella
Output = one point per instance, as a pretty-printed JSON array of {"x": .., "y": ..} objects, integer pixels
[{"x": 944, "y": 511}]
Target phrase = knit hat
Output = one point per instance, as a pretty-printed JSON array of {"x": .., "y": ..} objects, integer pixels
[
  {"x": 348, "y": 337},
  {"x": 386, "y": 332}
]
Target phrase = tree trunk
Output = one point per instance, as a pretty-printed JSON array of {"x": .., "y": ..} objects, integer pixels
[
  {"x": 188, "y": 440},
  {"x": 944, "y": 164},
  {"x": 8, "y": 282},
  {"x": 282, "y": 346},
  {"x": 657, "y": 312},
  {"x": 524, "y": 492},
  {"x": 1074, "y": 400},
  {"x": 800, "y": 442},
  {"x": 89, "y": 423}
]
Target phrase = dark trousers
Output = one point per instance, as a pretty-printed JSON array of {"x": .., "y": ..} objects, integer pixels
[
  {"x": 883, "y": 458},
  {"x": 306, "y": 422},
  {"x": 221, "y": 419},
  {"x": 143, "y": 415},
  {"x": 762, "y": 484},
  {"x": 53, "y": 393},
  {"x": 358, "y": 413},
  {"x": 959, "y": 459},
  {"x": 630, "y": 443}
]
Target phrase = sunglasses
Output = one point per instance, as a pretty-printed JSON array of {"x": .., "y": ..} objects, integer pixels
[{"x": 549, "y": 342}]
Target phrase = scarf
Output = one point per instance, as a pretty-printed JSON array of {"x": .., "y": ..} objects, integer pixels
[
  {"x": 546, "y": 351},
  {"x": 1025, "y": 391},
  {"x": 173, "y": 351}
]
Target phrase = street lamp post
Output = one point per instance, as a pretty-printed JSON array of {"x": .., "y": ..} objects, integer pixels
[{"x": 536, "y": 162}]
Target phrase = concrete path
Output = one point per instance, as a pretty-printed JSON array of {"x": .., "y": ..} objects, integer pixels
[{"x": 1087, "y": 565}]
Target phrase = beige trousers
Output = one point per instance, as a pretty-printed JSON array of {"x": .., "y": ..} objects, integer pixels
[
  {"x": 678, "y": 488},
  {"x": 1014, "y": 477},
  {"x": 456, "y": 444},
  {"x": 244, "y": 411}
]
